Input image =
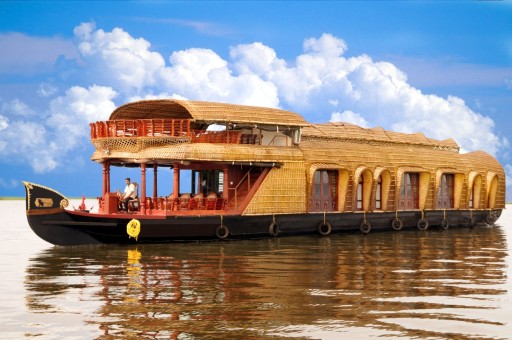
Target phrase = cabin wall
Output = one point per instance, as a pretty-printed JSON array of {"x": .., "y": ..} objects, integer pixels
[
  {"x": 351, "y": 190},
  {"x": 282, "y": 191},
  {"x": 464, "y": 197},
  {"x": 356, "y": 159},
  {"x": 275, "y": 138},
  {"x": 288, "y": 189},
  {"x": 431, "y": 193},
  {"x": 394, "y": 187}
]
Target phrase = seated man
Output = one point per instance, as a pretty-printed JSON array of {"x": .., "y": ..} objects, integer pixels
[{"x": 129, "y": 193}]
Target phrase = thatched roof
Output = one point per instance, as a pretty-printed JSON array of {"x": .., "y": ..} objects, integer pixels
[
  {"x": 205, "y": 152},
  {"x": 354, "y": 133},
  {"x": 207, "y": 112}
]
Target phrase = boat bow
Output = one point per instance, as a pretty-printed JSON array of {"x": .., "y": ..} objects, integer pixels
[{"x": 43, "y": 200}]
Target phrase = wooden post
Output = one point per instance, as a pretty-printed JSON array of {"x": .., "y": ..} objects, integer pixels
[
  {"x": 108, "y": 176},
  {"x": 155, "y": 182},
  {"x": 225, "y": 189},
  {"x": 176, "y": 184},
  {"x": 143, "y": 188},
  {"x": 193, "y": 183},
  {"x": 104, "y": 188}
]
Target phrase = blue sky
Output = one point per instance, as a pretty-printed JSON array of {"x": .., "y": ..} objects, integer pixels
[{"x": 442, "y": 68}]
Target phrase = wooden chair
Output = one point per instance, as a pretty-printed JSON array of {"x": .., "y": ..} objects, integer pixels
[
  {"x": 149, "y": 203},
  {"x": 133, "y": 205},
  {"x": 219, "y": 205},
  {"x": 211, "y": 201},
  {"x": 170, "y": 203},
  {"x": 184, "y": 202},
  {"x": 197, "y": 202}
]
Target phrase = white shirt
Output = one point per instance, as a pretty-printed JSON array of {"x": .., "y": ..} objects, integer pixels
[{"x": 129, "y": 191}]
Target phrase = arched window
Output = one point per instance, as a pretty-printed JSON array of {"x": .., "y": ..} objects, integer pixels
[
  {"x": 471, "y": 203},
  {"x": 493, "y": 189},
  {"x": 378, "y": 194},
  {"x": 445, "y": 192},
  {"x": 359, "y": 194},
  {"x": 324, "y": 191},
  {"x": 409, "y": 191},
  {"x": 475, "y": 187}
]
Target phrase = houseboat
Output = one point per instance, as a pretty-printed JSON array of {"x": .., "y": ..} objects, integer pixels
[{"x": 265, "y": 172}]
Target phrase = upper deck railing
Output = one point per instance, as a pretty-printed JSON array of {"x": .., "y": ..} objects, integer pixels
[
  {"x": 141, "y": 128},
  {"x": 177, "y": 128}
]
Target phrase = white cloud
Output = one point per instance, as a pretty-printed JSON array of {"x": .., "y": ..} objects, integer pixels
[
  {"x": 256, "y": 59},
  {"x": 508, "y": 174},
  {"x": 128, "y": 65},
  {"x": 321, "y": 83},
  {"x": 84, "y": 104},
  {"x": 4, "y": 123},
  {"x": 45, "y": 144},
  {"x": 27, "y": 142},
  {"x": 71, "y": 114},
  {"x": 365, "y": 91},
  {"x": 46, "y": 90},
  {"x": 18, "y": 108},
  {"x": 28, "y": 55},
  {"x": 117, "y": 59},
  {"x": 202, "y": 74}
]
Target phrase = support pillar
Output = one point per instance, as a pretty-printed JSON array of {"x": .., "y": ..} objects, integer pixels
[
  {"x": 176, "y": 184},
  {"x": 104, "y": 179},
  {"x": 193, "y": 188},
  {"x": 225, "y": 188},
  {"x": 155, "y": 182},
  {"x": 108, "y": 176},
  {"x": 143, "y": 188}
]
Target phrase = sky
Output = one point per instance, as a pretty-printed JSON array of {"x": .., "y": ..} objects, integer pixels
[{"x": 443, "y": 68}]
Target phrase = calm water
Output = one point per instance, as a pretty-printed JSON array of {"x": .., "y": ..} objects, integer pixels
[{"x": 436, "y": 284}]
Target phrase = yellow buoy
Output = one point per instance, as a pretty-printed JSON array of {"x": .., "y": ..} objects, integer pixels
[{"x": 133, "y": 229}]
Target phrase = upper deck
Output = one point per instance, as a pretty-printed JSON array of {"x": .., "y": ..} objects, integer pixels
[
  {"x": 139, "y": 126},
  {"x": 153, "y": 128}
]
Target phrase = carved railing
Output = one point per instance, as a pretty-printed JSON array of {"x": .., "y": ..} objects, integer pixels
[
  {"x": 141, "y": 128},
  {"x": 166, "y": 128}
]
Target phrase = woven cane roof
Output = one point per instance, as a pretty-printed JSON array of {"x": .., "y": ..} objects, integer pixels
[
  {"x": 207, "y": 112},
  {"x": 206, "y": 152},
  {"x": 350, "y": 132}
]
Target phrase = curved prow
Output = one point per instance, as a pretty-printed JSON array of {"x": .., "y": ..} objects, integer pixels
[{"x": 40, "y": 199}]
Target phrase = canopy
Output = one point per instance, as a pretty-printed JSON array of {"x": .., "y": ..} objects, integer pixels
[{"x": 208, "y": 112}]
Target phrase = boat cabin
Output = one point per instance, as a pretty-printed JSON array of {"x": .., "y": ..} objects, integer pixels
[
  {"x": 246, "y": 160},
  {"x": 227, "y": 149}
]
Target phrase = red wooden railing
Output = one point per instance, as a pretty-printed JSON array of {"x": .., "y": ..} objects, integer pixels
[
  {"x": 141, "y": 128},
  {"x": 167, "y": 128},
  {"x": 203, "y": 136}
]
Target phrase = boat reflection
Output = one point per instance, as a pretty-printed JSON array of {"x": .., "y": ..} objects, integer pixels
[{"x": 380, "y": 284}]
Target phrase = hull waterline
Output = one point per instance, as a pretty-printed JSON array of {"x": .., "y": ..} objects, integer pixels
[{"x": 56, "y": 225}]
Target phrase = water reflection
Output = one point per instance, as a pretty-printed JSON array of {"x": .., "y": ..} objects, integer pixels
[{"x": 399, "y": 284}]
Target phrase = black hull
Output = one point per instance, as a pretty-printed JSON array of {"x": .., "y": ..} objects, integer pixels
[
  {"x": 68, "y": 228},
  {"x": 49, "y": 219}
]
